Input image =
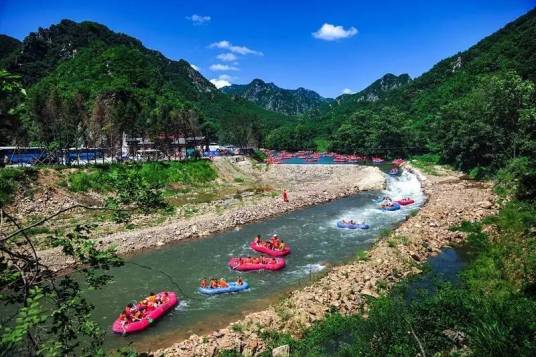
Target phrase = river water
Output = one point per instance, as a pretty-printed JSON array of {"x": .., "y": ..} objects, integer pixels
[{"x": 311, "y": 232}]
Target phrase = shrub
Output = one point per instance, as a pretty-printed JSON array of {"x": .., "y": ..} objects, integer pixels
[{"x": 518, "y": 179}]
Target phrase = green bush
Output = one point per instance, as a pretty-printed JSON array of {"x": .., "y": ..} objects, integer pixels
[
  {"x": 259, "y": 156},
  {"x": 518, "y": 179}
]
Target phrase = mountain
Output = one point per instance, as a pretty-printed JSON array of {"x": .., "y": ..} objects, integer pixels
[
  {"x": 80, "y": 75},
  {"x": 271, "y": 97},
  {"x": 378, "y": 89},
  {"x": 512, "y": 48},
  {"x": 8, "y": 45}
]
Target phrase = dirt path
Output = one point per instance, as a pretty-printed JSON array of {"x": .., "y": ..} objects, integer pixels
[{"x": 345, "y": 288}]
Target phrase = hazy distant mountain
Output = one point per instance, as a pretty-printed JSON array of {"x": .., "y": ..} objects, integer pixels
[{"x": 271, "y": 97}]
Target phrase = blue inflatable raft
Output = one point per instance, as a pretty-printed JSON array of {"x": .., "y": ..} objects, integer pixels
[
  {"x": 395, "y": 172},
  {"x": 340, "y": 224},
  {"x": 232, "y": 288},
  {"x": 395, "y": 206}
]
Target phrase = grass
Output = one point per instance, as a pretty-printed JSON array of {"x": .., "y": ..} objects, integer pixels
[
  {"x": 427, "y": 163},
  {"x": 164, "y": 174},
  {"x": 396, "y": 240},
  {"x": 362, "y": 256}
]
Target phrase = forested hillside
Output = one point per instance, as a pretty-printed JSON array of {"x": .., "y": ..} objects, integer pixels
[{"x": 87, "y": 84}]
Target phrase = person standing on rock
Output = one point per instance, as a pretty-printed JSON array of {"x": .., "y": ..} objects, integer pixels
[{"x": 285, "y": 196}]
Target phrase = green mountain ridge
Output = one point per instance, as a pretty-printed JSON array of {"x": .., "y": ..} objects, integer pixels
[
  {"x": 79, "y": 75},
  {"x": 415, "y": 105},
  {"x": 271, "y": 97}
]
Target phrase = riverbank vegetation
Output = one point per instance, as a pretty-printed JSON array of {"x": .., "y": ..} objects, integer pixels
[{"x": 161, "y": 174}]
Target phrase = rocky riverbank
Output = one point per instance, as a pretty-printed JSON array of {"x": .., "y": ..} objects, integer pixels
[
  {"x": 307, "y": 185},
  {"x": 451, "y": 200}
]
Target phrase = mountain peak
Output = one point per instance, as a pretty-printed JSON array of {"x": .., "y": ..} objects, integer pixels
[
  {"x": 274, "y": 98},
  {"x": 380, "y": 87}
]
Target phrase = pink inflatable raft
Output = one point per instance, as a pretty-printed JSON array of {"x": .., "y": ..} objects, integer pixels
[
  {"x": 240, "y": 264},
  {"x": 153, "y": 315},
  {"x": 272, "y": 252},
  {"x": 405, "y": 201}
]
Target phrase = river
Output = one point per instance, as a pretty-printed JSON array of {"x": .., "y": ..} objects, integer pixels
[{"x": 311, "y": 232}]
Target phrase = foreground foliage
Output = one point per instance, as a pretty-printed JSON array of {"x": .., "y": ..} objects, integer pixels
[{"x": 45, "y": 315}]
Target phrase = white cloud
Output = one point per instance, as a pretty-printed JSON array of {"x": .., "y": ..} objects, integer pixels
[
  {"x": 198, "y": 19},
  {"x": 223, "y": 80},
  {"x": 220, "y": 83},
  {"x": 347, "y": 91},
  {"x": 242, "y": 50},
  {"x": 225, "y": 77},
  {"x": 222, "y": 67},
  {"x": 227, "y": 57},
  {"x": 195, "y": 67},
  {"x": 329, "y": 32}
]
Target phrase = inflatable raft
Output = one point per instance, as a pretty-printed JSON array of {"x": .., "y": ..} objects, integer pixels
[
  {"x": 405, "y": 201},
  {"x": 395, "y": 206},
  {"x": 236, "y": 264},
  {"x": 377, "y": 160},
  {"x": 232, "y": 288},
  {"x": 148, "y": 319},
  {"x": 272, "y": 252},
  {"x": 340, "y": 224}
]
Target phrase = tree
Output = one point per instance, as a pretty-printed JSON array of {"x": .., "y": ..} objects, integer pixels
[
  {"x": 369, "y": 132},
  {"x": 11, "y": 95},
  {"x": 489, "y": 126}
]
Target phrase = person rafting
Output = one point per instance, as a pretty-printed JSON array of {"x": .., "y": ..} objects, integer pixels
[
  {"x": 213, "y": 284},
  {"x": 282, "y": 246},
  {"x": 386, "y": 202},
  {"x": 239, "y": 281},
  {"x": 275, "y": 241},
  {"x": 165, "y": 298},
  {"x": 203, "y": 283},
  {"x": 222, "y": 283},
  {"x": 152, "y": 298}
]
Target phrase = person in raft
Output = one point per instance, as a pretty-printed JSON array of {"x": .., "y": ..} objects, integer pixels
[
  {"x": 258, "y": 239},
  {"x": 204, "y": 283},
  {"x": 387, "y": 202},
  {"x": 213, "y": 283},
  {"x": 239, "y": 281},
  {"x": 223, "y": 283},
  {"x": 136, "y": 312},
  {"x": 274, "y": 241}
]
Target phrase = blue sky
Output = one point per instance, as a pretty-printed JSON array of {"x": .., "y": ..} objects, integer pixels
[{"x": 326, "y": 46}]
